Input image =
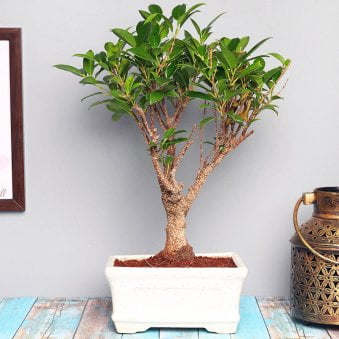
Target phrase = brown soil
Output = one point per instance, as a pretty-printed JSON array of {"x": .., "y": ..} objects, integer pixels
[{"x": 159, "y": 261}]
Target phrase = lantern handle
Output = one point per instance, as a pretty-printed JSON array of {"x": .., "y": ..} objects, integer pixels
[{"x": 308, "y": 198}]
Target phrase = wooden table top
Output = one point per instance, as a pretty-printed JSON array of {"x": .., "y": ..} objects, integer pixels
[{"x": 89, "y": 318}]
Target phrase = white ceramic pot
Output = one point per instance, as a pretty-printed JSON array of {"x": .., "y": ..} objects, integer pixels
[{"x": 176, "y": 297}]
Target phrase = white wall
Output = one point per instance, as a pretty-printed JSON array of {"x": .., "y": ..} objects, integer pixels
[{"x": 91, "y": 191}]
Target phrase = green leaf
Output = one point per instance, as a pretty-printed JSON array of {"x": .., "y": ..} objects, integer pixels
[
  {"x": 209, "y": 143},
  {"x": 185, "y": 17},
  {"x": 178, "y": 11},
  {"x": 256, "y": 46},
  {"x": 287, "y": 62},
  {"x": 205, "y": 106},
  {"x": 181, "y": 131},
  {"x": 117, "y": 94},
  {"x": 251, "y": 68},
  {"x": 151, "y": 17},
  {"x": 125, "y": 36},
  {"x": 222, "y": 84},
  {"x": 155, "y": 9},
  {"x": 172, "y": 93},
  {"x": 129, "y": 84},
  {"x": 168, "y": 22},
  {"x": 141, "y": 53},
  {"x": 235, "y": 117},
  {"x": 164, "y": 30},
  {"x": 168, "y": 160},
  {"x": 233, "y": 44},
  {"x": 81, "y": 55},
  {"x": 243, "y": 43},
  {"x": 156, "y": 96},
  {"x": 257, "y": 79},
  {"x": 88, "y": 81},
  {"x": 169, "y": 132},
  {"x": 231, "y": 94},
  {"x": 144, "y": 14},
  {"x": 155, "y": 38},
  {"x": 90, "y": 95},
  {"x": 143, "y": 32},
  {"x": 176, "y": 141},
  {"x": 71, "y": 69},
  {"x": 110, "y": 48},
  {"x": 136, "y": 85},
  {"x": 200, "y": 95},
  {"x": 170, "y": 69},
  {"x": 194, "y": 7},
  {"x": 252, "y": 121},
  {"x": 118, "y": 107},
  {"x": 152, "y": 144},
  {"x": 160, "y": 80},
  {"x": 278, "y": 57},
  {"x": 117, "y": 116},
  {"x": 196, "y": 26},
  {"x": 215, "y": 19},
  {"x": 271, "y": 73},
  {"x": 271, "y": 107},
  {"x": 228, "y": 58},
  {"x": 205, "y": 121},
  {"x": 88, "y": 63},
  {"x": 99, "y": 103}
]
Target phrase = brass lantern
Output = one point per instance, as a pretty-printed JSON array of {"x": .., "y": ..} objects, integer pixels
[{"x": 315, "y": 259}]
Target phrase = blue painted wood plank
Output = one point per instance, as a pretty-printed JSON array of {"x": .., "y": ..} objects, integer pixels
[
  {"x": 167, "y": 333},
  {"x": 96, "y": 321},
  {"x": 311, "y": 330},
  {"x": 203, "y": 334},
  {"x": 306, "y": 330},
  {"x": 52, "y": 318},
  {"x": 280, "y": 325},
  {"x": 12, "y": 313},
  {"x": 150, "y": 334},
  {"x": 252, "y": 324}
]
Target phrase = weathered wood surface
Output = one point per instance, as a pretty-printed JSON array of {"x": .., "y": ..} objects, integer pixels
[
  {"x": 178, "y": 334},
  {"x": 150, "y": 334},
  {"x": 82, "y": 318},
  {"x": 252, "y": 325},
  {"x": 96, "y": 321},
  {"x": 12, "y": 313},
  {"x": 52, "y": 318},
  {"x": 333, "y": 331},
  {"x": 281, "y": 326}
]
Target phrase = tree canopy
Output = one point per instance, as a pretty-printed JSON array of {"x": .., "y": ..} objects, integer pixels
[{"x": 152, "y": 71}]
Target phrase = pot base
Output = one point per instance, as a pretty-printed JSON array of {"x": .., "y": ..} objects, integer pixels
[{"x": 130, "y": 328}]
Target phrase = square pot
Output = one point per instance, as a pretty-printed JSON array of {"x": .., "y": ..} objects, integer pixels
[{"x": 195, "y": 297}]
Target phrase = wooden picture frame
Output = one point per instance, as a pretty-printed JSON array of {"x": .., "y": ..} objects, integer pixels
[{"x": 12, "y": 192}]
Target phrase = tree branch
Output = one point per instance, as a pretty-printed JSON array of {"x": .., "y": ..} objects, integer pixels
[
  {"x": 204, "y": 172},
  {"x": 183, "y": 151}
]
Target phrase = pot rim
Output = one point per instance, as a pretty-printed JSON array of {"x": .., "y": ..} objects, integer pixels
[
  {"x": 328, "y": 189},
  {"x": 236, "y": 258}
]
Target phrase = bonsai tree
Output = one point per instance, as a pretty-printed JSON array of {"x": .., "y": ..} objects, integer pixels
[{"x": 152, "y": 72}]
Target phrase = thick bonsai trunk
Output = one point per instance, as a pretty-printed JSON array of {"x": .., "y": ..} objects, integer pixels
[{"x": 176, "y": 247}]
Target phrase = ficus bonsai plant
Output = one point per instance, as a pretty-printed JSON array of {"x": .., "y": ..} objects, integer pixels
[{"x": 151, "y": 73}]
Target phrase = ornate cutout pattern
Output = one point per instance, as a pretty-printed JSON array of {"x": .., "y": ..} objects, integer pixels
[{"x": 314, "y": 284}]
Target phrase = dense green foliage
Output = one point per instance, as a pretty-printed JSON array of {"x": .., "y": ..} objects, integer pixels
[
  {"x": 152, "y": 62},
  {"x": 158, "y": 62}
]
